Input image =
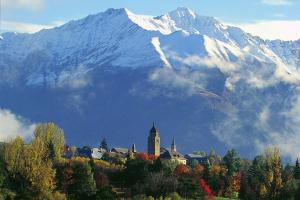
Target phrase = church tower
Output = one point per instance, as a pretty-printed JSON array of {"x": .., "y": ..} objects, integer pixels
[
  {"x": 154, "y": 142},
  {"x": 173, "y": 146}
]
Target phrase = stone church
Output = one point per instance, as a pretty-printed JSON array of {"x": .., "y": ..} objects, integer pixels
[
  {"x": 163, "y": 153},
  {"x": 154, "y": 142}
]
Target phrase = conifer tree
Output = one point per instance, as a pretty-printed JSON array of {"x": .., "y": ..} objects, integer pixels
[
  {"x": 104, "y": 144},
  {"x": 232, "y": 161},
  {"x": 83, "y": 185},
  {"x": 297, "y": 170}
]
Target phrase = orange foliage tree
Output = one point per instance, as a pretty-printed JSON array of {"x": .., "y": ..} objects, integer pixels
[{"x": 181, "y": 169}]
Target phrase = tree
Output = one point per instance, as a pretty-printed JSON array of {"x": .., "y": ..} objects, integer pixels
[
  {"x": 198, "y": 171},
  {"x": 232, "y": 161},
  {"x": 297, "y": 170},
  {"x": 195, "y": 163},
  {"x": 14, "y": 158},
  {"x": 53, "y": 139},
  {"x": 5, "y": 192},
  {"x": 206, "y": 189},
  {"x": 105, "y": 193},
  {"x": 273, "y": 173},
  {"x": 136, "y": 171},
  {"x": 83, "y": 185},
  {"x": 159, "y": 184},
  {"x": 297, "y": 193},
  {"x": 37, "y": 170},
  {"x": 173, "y": 196},
  {"x": 181, "y": 170},
  {"x": 103, "y": 144},
  {"x": 212, "y": 152},
  {"x": 169, "y": 166},
  {"x": 30, "y": 170},
  {"x": 189, "y": 188}
]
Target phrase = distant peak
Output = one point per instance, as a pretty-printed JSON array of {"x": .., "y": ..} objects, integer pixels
[
  {"x": 117, "y": 11},
  {"x": 183, "y": 12}
]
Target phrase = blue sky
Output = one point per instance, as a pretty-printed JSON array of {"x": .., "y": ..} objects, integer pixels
[{"x": 266, "y": 18}]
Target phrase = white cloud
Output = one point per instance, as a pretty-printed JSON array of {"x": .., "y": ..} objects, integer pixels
[
  {"x": 288, "y": 139},
  {"x": 273, "y": 29},
  {"x": 21, "y": 27},
  {"x": 12, "y": 125},
  {"x": 76, "y": 78},
  {"x": 277, "y": 2},
  {"x": 23, "y": 4}
]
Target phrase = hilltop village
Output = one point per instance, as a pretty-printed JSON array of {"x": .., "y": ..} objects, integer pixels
[
  {"x": 46, "y": 169},
  {"x": 154, "y": 148}
]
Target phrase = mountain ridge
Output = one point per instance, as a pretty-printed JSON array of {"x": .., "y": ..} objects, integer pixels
[
  {"x": 82, "y": 39},
  {"x": 198, "y": 77}
]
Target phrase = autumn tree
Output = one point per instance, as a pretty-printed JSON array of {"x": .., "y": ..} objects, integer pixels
[
  {"x": 273, "y": 173},
  {"x": 14, "y": 158},
  {"x": 37, "y": 170},
  {"x": 181, "y": 170},
  {"x": 53, "y": 139},
  {"x": 31, "y": 172},
  {"x": 197, "y": 170}
]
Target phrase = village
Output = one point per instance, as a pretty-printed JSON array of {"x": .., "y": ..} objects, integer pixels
[
  {"x": 45, "y": 168},
  {"x": 154, "y": 148}
]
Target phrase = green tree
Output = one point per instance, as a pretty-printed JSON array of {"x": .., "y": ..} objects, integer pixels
[
  {"x": 189, "y": 189},
  {"x": 297, "y": 193},
  {"x": 297, "y": 170},
  {"x": 135, "y": 172},
  {"x": 105, "y": 193},
  {"x": 169, "y": 166},
  {"x": 253, "y": 180},
  {"x": 195, "y": 163},
  {"x": 103, "y": 144},
  {"x": 159, "y": 184},
  {"x": 5, "y": 192},
  {"x": 173, "y": 196},
  {"x": 83, "y": 185},
  {"x": 232, "y": 162}
]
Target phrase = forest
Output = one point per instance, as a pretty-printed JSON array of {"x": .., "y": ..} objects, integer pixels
[{"x": 39, "y": 170}]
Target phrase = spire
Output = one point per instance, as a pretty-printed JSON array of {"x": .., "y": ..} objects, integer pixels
[
  {"x": 153, "y": 129},
  {"x": 173, "y": 145},
  {"x": 133, "y": 148}
]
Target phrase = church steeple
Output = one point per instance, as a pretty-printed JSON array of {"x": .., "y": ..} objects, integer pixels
[
  {"x": 154, "y": 141},
  {"x": 133, "y": 148},
  {"x": 173, "y": 145},
  {"x": 153, "y": 129}
]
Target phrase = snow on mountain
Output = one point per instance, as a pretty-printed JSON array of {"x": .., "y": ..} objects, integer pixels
[
  {"x": 190, "y": 72},
  {"x": 120, "y": 38}
]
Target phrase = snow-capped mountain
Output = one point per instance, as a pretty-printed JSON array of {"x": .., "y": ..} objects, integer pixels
[
  {"x": 117, "y": 37},
  {"x": 180, "y": 67}
]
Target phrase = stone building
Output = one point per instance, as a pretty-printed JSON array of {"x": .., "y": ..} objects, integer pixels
[
  {"x": 172, "y": 154},
  {"x": 154, "y": 142}
]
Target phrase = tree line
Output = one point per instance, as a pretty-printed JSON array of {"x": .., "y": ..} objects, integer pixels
[{"x": 38, "y": 170}]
